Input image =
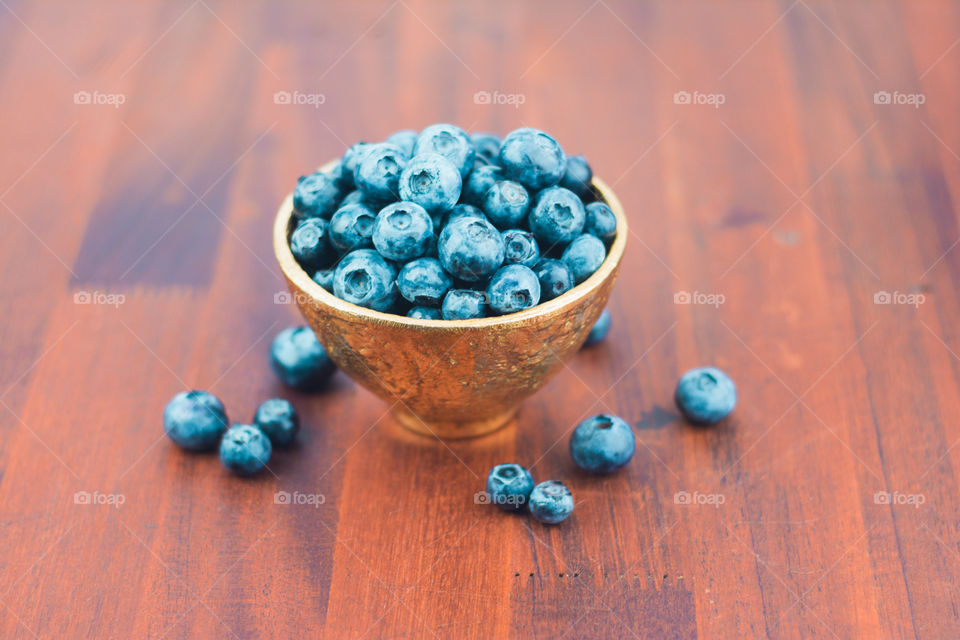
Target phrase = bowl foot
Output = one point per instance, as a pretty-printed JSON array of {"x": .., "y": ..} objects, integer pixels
[{"x": 452, "y": 430}]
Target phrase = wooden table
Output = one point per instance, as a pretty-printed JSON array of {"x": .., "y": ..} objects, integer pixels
[{"x": 793, "y": 167}]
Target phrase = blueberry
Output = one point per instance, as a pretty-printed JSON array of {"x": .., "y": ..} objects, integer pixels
[
  {"x": 506, "y": 203},
  {"x": 557, "y": 217},
  {"x": 480, "y": 179},
  {"x": 513, "y": 288},
  {"x": 599, "y": 330},
  {"x": 405, "y": 139},
  {"x": 351, "y": 227},
  {"x": 278, "y": 420},
  {"x": 324, "y": 278},
  {"x": 431, "y": 181},
  {"x": 353, "y": 157},
  {"x": 584, "y": 256},
  {"x": 461, "y": 211},
  {"x": 509, "y": 486},
  {"x": 600, "y": 221},
  {"x": 602, "y": 444},
  {"x": 551, "y": 502},
  {"x": 402, "y": 231},
  {"x": 354, "y": 197},
  {"x": 424, "y": 282},
  {"x": 532, "y": 158},
  {"x": 316, "y": 196},
  {"x": 245, "y": 449},
  {"x": 555, "y": 278},
  {"x": 451, "y": 142},
  {"x": 310, "y": 244},
  {"x": 424, "y": 313},
  {"x": 378, "y": 174},
  {"x": 486, "y": 145},
  {"x": 195, "y": 420},
  {"x": 705, "y": 395},
  {"x": 299, "y": 360},
  {"x": 578, "y": 176},
  {"x": 364, "y": 278},
  {"x": 520, "y": 247},
  {"x": 463, "y": 304},
  {"x": 470, "y": 249}
]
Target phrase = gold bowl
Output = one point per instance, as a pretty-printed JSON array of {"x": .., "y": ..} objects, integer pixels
[{"x": 452, "y": 378}]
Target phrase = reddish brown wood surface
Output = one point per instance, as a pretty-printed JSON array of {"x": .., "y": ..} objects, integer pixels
[{"x": 797, "y": 200}]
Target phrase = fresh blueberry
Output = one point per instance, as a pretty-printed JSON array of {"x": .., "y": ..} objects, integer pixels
[
  {"x": 405, "y": 139},
  {"x": 509, "y": 486},
  {"x": 551, "y": 502},
  {"x": 278, "y": 420},
  {"x": 480, "y": 179},
  {"x": 584, "y": 256},
  {"x": 557, "y": 217},
  {"x": 451, "y": 142},
  {"x": 463, "y": 304},
  {"x": 310, "y": 243},
  {"x": 424, "y": 282},
  {"x": 520, "y": 247},
  {"x": 195, "y": 420},
  {"x": 599, "y": 330},
  {"x": 351, "y": 227},
  {"x": 324, "y": 278},
  {"x": 532, "y": 158},
  {"x": 506, "y": 203},
  {"x": 354, "y": 197},
  {"x": 705, "y": 395},
  {"x": 602, "y": 444},
  {"x": 460, "y": 211},
  {"x": 353, "y": 157},
  {"x": 424, "y": 313},
  {"x": 316, "y": 196},
  {"x": 470, "y": 249},
  {"x": 577, "y": 176},
  {"x": 364, "y": 278},
  {"x": 431, "y": 181},
  {"x": 486, "y": 145},
  {"x": 555, "y": 278},
  {"x": 513, "y": 288},
  {"x": 600, "y": 221},
  {"x": 378, "y": 174},
  {"x": 245, "y": 449},
  {"x": 299, "y": 360},
  {"x": 402, "y": 231}
]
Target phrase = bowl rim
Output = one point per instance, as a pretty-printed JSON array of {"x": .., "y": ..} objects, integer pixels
[{"x": 305, "y": 283}]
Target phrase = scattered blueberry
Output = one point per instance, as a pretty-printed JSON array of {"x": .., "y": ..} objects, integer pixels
[
  {"x": 353, "y": 157},
  {"x": 600, "y": 221},
  {"x": 424, "y": 313},
  {"x": 506, "y": 204},
  {"x": 577, "y": 176},
  {"x": 532, "y": 158},
  {"x": 377, "y": 176},
  {"x": 551, "y": 502},
  {"x": 316, "y": 196},
  {"x": 602, "y": 444},
  {"x": 584, "y": 256},
  {"x": 555, "y": 278},
  {"x": 431, "y": 181},
  {"x": 310, "y": 243},
  {"x": 463, "y": 304},
  {"x": 451, "y": 142},
  {"x": 557, "y": 217},
  {"x": 599, "y": 330},
  {"x": 478, "y": 182},
  {"x": 351, "y": 227},
  {"x": 470, "y": 249},
  {"x": 424, "y": 282},
  {"x": 402, "y": 231},
  {"x": 195, "y": 420},
  {"x": 520, "y": 247},
  {"x": 705, "y": 395},
  {"x": 513, "y": 288},
  {"x": 278, "y": 420},
  {"x": 364, "y": 278},
  {"x": 299, "y": 360},
  {"x": 405, "y": 139},
  {"x": 324, "y": 278},
  {"x": 509, "y": 486},
  {"x": 461, "y": 211},
  {"x": 487, "y": 146},
  {"x": 245, "y": 449}
]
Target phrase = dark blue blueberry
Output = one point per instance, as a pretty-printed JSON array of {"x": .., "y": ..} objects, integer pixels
[
  {"x": 532, "y": 158},
  {"x": 405, "y": 139},
  {"x": 354, "y": 197},
  {"x": 600, "y": 221},
  {"x": 513, "y": 288},
  {"x": 705, "y": 395},
  {"x": 424, "y": 313},
  {"x": 431, "y": 181},
  {"x": 324, "y": 278},
  {"x": 351, "y": 227},
  {"x": 310, "y": 244},
  {"x": 578, "y": 176},
  {"x": 557, "y": 217},
  {"x": 463, "y": 304},
  {"x": 378, "y": 174},
  {"x": 602, "y": 444},
  {"x": 299, "y": 360},
  {"x": 584, "y": 256},
  {"x": 402, "y": 231},
  {"x": 470, "y": 249},
  {"x": 278, "y": 420},
  {"x": 506, "y": 204},
  {"x": 520, "y": 247},
  {"x": 551, "y": 502},
  {"x": 486, "y": 145},
  {"x": 451, "y": 142},
  {"x": 555, "y": 278},
  {"x": 195, "y": 420},
  {"x": 460, "y": 211},
  {"x": 353, "y": 157},
  {"x": 424, "y": 282},
  {"x": 364, "y": 278},
  {"x": 599, "y": 330},
  {"x": 316, "y": 196},
  {"x": 480, "y": 179},
  {"x": 509, "y": 486},
  {"x": 245, "y": 449}
]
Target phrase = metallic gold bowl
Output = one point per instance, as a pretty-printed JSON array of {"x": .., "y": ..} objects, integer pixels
[{"x": 452, "y": 378}]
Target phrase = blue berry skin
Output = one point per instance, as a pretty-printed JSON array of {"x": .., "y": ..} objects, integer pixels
[
  {"x": 705, "y": 395},
  {"x": 478, "y": 182},
  {"x": 431, "y": 181},
  {"x": 310, "y": 244},
  {"x": 532, "y": 158},
  {"x": 299, "y": 360},
  {"x": 487, "y": 146},
  {"x": 351, "y": 227},
  {"x": 513, "y": 288},
  {"x": 463, "y": 304},
  {"x": 424, "y": 313},
  {"x": 551, "y": 502},
  {"x": 520, "y": 247},
  {"x": 324, "y": 278},
  {"x": 557, "y": 217},
  {"x": 278, "y": 420},
  {"x": 451, "y": 142},
  {"x": 470, "y": 249},
  {"x": 584, "y": 256},
  {"x": 316, "y": 196},
  {"x": 555, "y": 278},
  {"x": 602, "y": 444},
  {"x": 424, "y": 282},
  {"x": 245, "y": 449},
  {"x": 364, "y": 278},
  {"x": 461, "y": 211},
  {"x": 600, "y": 221},
  {"x": 578, "y": 176},
  {"x": 506, "y": 204},
  {"x": 509, "y": 486},
  {"x": 405, "y": 139},
  {"x": 354, "y": 197},
  {"x": 348, "y": 164},
  {"x": 599, "y": 330},
  {"x": 402, "y": 231},
  {"x": 195, "y": 420},
  {"x": 377, "y": 176}
]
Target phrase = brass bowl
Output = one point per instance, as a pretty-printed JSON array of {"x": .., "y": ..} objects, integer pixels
[{"x": 452, "y": 378}]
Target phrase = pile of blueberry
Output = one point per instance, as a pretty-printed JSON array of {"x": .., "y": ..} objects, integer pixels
[{"x": 441, "y": 224}]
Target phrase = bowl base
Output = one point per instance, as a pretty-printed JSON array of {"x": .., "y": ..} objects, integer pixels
[{"x": 449, "y": 430}]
